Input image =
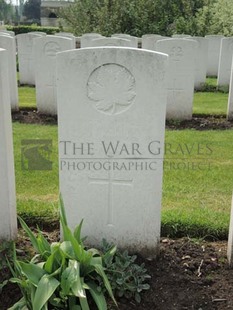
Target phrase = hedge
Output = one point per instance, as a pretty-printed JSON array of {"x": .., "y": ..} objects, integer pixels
[{"x": 26, "y": 29}]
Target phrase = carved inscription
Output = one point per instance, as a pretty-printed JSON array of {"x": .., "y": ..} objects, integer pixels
[{"x": 111, "y": 87}]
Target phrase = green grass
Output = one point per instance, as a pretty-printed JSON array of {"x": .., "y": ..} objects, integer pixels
[
  {"x": 212, "y": 81},
  {"x": 37, "y": 191},
  {"x": 210, "y": 103},
  {"x": 204, "y": 102},
  {"x": 27, "y": 97},
  {"x": 195, "y": 202}
]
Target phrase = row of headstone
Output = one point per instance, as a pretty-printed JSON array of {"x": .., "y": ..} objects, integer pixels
[
  {"x": 30, "y": 58},
  {"x": 100, "y": 94},
  {"x": 8, "y": 222}
]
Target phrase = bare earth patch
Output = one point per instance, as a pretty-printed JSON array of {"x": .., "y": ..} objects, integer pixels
[
  {"x": 188, "y": 274},
  {"x": 198, "y": 122}
]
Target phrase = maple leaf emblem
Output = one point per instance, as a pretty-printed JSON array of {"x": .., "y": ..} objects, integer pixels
[{"x": 112, "y": 88}]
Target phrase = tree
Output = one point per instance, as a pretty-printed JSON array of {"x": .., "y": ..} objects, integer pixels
[
  {"x": 31, "y": 9},
  {"x": 6, "y": 11},
  {"x": 135, "y": 17}
]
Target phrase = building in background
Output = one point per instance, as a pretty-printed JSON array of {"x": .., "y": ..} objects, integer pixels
[{"x": 50, "y": 10}]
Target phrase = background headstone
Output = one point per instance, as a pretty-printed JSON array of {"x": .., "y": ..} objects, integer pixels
[
  {"x": 111, "y": 42},
  {"x": 43, "y": 34},
  {"x": 225, "y": 59},
  {"x": 180, "y": 76},
  {"x": 106, "y": 95},
  {"x": 66, "y": 35},
  {"x": 45, "y": 49},
  {"x": 200, "y": 61},
  {"x": 214, "y": 43},
  {"x": 8, "y": 43},
  {"x": 132, "y": 39},
  {"x": 86, "y": 39},
  {"x": 7, "y": 32},
  {"x": 149, "y": 41},
  {"x": 25, "y": 57},
  {"x": 181, "y": 36},
  {"x": 230, "y": 97},
  {"x": 8, "y": 222}
]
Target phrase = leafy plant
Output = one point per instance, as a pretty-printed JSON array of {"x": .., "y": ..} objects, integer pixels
[
  {"x": 127, "y": 278},
  {"x": 62, "y": 275}
]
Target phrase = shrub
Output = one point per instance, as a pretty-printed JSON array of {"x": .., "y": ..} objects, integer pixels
[
  {"x": 127, "y": 278},
  {"x": 26, "y": 29},
  {"x": 62, "y": 275}
]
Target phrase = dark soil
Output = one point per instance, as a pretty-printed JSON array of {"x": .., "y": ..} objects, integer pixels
[
  {"x": 188, "y": 274},
  {"x": 198, "y": 122}
]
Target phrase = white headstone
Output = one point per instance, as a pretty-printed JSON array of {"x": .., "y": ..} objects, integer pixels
[
  {"x": 8, "y": 222},
  {"x": 43, "y": 34},
  {"x": 7, "y": 32},
  {"x": 111, "y": 42},
  {"x": 46, "y": 49},
  {"x": 181, "y": 36},
  {"x": 66, "y": 35},
  {"x": 25, "y": 57},
  {"x": 8, "y": 43},
  {"x": 86, "y": 39},
  {"x": 134, "y": 40},
  {"x": 180, "y": 76},
  {"x": 112, "y": 96},
  {"x": 214, "y": 43},
  {"x": 230, "y": 239},
  {"x": 224, "y": 69},
  {"x": 230, "y": 96},
  {"x": 200, "y": 61},
  {"x": 149, "y": 41}
]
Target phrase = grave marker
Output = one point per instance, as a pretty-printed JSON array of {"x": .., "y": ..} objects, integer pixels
[
  {"x": 180, "y": 76},
  {"x": 45, "y": 49},
  {"x": 25, "y": 57},
  {"x": 214, "y": 43},
  {"x": 111, "y": 119},
  {"x": 7, "y": 42},
  {"x": 111, "y": 42},
  {"x": 225, "y": 61},
  {"x": 8, "y": 222},
  {"x": 200, "y": 61}
]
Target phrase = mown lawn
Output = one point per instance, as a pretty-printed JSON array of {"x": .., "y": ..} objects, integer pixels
[
  {"x": 204, "y": 102},
  {"x": 196, "y": 199}
]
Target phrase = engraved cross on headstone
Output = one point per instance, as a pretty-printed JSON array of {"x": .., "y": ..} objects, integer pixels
[{"x": 110, "y": 181}]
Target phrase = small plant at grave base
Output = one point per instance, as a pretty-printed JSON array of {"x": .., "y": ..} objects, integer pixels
[
  {"x": 62, "y": 275},
  {"x": 127, "y": 278}
]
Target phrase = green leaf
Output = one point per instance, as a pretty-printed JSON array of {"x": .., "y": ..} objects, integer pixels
[
  {"x": 98, "y": 296},
  {"x": 77, "y": 232},
  {"x": 30, "y": 234},
  {"x": 4, "y": 283},
  {"x": 71, "y": 280},
  {"x": 99, "y": 269},
  {"x": 19, "y": 305},
  {"x": 43, "y": 244},
  {"x": 33, "y": 272},
  {"x": 45, "y": 290},
  {"x": 62, "y": 210},
  {"x": 67, "y": 249},
  {"x": 84, "y": 304}
]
